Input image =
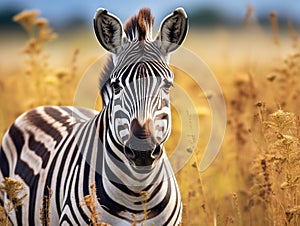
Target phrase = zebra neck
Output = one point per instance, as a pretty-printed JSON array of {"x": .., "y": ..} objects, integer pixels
[
  {"x": 119, "y": 172},
  {"x": 118, "y": 182},
  {"x": 127, "y": 187},
  {"x": 123, "y": 189}
]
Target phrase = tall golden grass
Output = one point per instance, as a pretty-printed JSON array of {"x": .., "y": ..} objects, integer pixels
[{"x": 255, "y": 179}]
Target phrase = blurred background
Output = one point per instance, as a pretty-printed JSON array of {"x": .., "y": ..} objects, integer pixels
[
  {"x": 253, "y": 49},
  {"x": 74, "y": 19},
  {"x": 68, "y": 14}
]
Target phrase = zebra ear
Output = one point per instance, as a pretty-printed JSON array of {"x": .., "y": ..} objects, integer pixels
[
  {"x": 109, "y": 31},
  {"x": 172, "y": 31}
]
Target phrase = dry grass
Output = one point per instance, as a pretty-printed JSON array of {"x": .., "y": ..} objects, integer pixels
[
  {"x": 36, "y": 82},
  {"x": 14, "y": 190},
  {"x": 15, "y": 193},
  {"x": 90, "y": 201},
  {"x": 45, "y": 209},
  {"x": 255, "y": 179},
  {"x": 276, "y": 169}
]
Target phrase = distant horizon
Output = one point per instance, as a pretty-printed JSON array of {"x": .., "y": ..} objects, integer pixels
[{"x": 60, "y": 12}]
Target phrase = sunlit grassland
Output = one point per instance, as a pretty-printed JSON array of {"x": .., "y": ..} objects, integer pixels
[{"x": 252, "y": 181}]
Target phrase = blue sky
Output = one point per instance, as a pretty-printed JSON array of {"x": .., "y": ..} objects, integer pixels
[{"x": 61, "y": 10}]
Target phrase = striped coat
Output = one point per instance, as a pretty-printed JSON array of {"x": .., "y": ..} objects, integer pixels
[{"x": 120, "y": 149}]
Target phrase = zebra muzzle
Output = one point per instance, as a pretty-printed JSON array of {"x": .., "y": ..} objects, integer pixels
[
  {"x": 142, "y": 152},
  {"x": 142, "y": 148}
]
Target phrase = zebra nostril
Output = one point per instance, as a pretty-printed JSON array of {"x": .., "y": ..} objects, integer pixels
[
  {"x": 129, "y": 153},
  {"x": 156, "y": 153}
]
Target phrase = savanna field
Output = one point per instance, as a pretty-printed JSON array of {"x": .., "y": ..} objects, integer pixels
[{"x": 255, "y": 178}]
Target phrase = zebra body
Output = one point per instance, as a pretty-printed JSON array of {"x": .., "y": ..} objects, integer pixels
[{"x": 66, "y": 149}]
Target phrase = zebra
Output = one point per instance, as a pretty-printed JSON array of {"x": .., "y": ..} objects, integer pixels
[{"x": 120, "y": 149}]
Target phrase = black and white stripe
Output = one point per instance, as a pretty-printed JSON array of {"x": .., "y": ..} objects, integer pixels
[{"x": 120, "y": 149}]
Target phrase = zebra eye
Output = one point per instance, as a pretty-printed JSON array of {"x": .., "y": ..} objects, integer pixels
[
  {"x": 167, "y": 84},
  {"x": 116, "y": 87}
]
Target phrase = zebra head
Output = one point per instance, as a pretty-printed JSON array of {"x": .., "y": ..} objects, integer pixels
[{"x": 137, "y": 80}]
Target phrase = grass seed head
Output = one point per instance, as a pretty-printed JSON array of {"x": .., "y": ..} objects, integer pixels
[{"x": 15, "y": 192}]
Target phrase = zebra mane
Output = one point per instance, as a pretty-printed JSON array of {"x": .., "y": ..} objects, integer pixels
[
  {"x": 140, "y": 26},
  {"x": 137, "y": 27},
  {"x": 106, "y": 71}
]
